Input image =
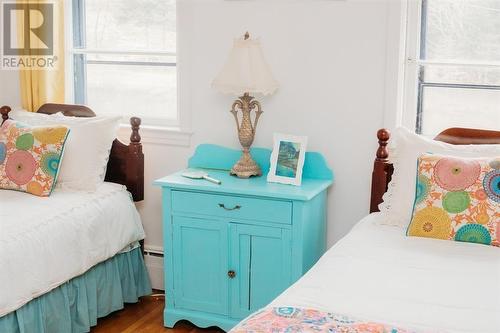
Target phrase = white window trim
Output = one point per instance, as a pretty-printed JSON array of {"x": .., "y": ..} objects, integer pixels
[
  {"x": 411, "y": 65},
  {"x": 68, "y": 45},
  {"x": 403, "y": 36},
  {"x": 176, "y": 134},
  {"x": 395, "y": 63},
  {"x": 170, "y": 136}
]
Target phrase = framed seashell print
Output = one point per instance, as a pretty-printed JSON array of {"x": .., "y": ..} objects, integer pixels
[{"x": 287, "y": 159}]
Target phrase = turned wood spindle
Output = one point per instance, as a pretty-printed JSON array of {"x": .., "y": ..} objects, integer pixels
[
  {"x": 4, "y": 110},
  {"x": 135, "y": 137},
  {"x": 383, "y": 136}
]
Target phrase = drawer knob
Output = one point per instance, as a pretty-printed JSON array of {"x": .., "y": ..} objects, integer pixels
[
  {"x": 224, "y": 207},
  {"x": 231, "y": 274}
]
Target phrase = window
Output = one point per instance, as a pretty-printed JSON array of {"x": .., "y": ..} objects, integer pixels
[
  {"x": 124, "y": 58},
  {"x": 453, "y": 65}
]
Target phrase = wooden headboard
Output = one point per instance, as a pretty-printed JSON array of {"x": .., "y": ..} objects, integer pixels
[
  {"x": 383, "y": 169},
  {"x": 126, "y": 162}
]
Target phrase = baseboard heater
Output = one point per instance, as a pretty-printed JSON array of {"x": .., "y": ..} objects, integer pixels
[
  {"x": 153, "y": 252},
  {"x": 154, "y": 263}
]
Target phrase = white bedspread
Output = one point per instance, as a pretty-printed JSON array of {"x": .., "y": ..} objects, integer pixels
[
  {"x": 45, "y": 242},
  {"x": 377, "y": 273}
]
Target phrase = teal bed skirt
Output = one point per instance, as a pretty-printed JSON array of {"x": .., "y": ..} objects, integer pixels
[{"x": 76, "y": 305}]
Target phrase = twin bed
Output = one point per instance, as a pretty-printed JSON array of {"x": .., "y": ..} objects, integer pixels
[
  {"x": 376, "y": 279},
  {"x": 75, "y": 256}
]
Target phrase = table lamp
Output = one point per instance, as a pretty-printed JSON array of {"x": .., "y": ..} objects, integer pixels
[{"x": 246, "y": 72}]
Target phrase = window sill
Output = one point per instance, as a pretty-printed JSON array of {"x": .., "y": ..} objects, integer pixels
[{"x": 160, "y": 135}]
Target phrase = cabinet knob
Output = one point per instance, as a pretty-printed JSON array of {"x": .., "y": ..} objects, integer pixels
[
  {"x": 226, "y": 208},
  {"x": 231, "y": 274}
]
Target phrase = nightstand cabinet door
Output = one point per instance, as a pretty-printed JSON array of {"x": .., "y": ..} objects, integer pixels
[
  {"x": 261, "y": 260},
  {"x": 200, "y": 264}
]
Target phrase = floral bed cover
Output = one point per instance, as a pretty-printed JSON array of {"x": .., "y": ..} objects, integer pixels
[{"x": 294, "y": 320}]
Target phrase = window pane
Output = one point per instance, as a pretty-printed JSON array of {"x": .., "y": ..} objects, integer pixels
[
  {"x": 462, "y": 75},
  {"x": 455, "y": 107},
  {"x": 129, "y": 86},
  {"x": 130, "y": 24},
  {"x": 461, "y": 30}
]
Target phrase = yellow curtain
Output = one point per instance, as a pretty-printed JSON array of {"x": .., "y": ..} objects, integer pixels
[{"x": 45, "y": 84}]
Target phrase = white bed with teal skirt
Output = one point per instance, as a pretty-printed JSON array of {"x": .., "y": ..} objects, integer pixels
[
  {"x": 73, "y": 257},
  {"x": 68, "y": 259}
]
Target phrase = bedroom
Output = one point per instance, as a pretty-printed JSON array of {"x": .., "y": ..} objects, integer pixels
[{"x": 344, "y": 70}]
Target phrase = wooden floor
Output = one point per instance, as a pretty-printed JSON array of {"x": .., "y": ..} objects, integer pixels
[{"x": 146, "y": 316}]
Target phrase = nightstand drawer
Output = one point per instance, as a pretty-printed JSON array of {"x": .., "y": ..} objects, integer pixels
[{"x": 244, "y": 208}]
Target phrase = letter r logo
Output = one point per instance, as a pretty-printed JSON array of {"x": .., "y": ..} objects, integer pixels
[{"x": 28, "y": 29}]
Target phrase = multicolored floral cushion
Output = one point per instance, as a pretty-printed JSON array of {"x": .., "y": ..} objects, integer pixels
[
  {"x": 30, "y": 156},
  {"x": 457, "y": 199},
  {"x": 295, "y": 320}
]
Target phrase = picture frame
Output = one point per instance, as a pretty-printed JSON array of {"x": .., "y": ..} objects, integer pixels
[{"x": 287, "y": 159}]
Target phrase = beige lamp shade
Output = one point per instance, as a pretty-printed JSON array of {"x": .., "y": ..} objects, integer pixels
[{"x": 246, "y": 70}]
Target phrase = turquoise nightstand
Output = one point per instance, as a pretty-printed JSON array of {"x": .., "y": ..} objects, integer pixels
[{"x": 230, "y": 249}]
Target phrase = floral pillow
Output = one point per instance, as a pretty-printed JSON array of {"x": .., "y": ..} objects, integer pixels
[
  {"x": 30, "y": 157},
  {"x": 457, "y": 199}
]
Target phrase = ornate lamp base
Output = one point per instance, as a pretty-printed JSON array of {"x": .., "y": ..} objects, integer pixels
[{"x": 246, "y": 166}]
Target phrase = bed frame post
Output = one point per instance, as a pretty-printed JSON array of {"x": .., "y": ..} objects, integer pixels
[
  {"x": 4, "y": 110},
  {"x": 135, "y": 162},
  {"x": 135, "y": 158},
  {"x": 382, "y": 170}
]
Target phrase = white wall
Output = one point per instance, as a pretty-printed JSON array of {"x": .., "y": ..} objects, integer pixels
[{"x": 330, "y": 59}]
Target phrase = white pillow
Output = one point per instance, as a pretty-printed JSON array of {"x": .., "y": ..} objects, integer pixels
[
  {"x": 87, "y": 148},
  {"x": 405, "y": 148}
]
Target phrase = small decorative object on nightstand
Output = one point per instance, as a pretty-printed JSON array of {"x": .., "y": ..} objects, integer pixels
[
  {"x": 245, "y": 72},
  {"x": 287, "y": 159},
  {"x": 232, "y": 248}
]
